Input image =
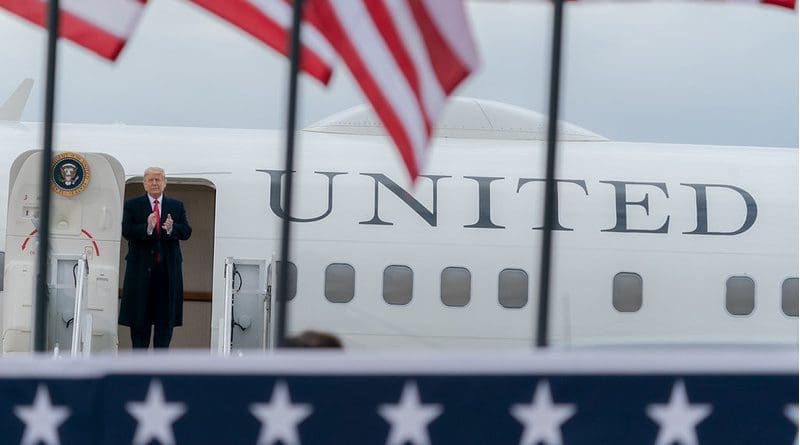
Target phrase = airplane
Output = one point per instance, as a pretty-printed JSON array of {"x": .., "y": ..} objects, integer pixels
[{"x": 653, "y": 243}]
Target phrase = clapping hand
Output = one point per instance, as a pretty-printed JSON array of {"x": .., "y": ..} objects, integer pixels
[
  {"x": 168, "y": 224},
  {"x": 152, "y": 220}
]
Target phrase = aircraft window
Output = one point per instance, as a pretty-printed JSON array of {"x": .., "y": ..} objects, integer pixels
[
  {"x": 292, "y": 276},
  {"x": 397, "y": 284},
  {"x": 627, "y": 292},
  {"x": 740, "y": 295},
  {"x": 455, "y": 286},
  {"x": 789, "y": 296},
  {"x": 3, "y": 269},
  {"x": 513, "y": 288},
  {"x": 340, "y": 282}
]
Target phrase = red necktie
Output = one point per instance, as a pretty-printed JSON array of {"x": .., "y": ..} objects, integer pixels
[
  {"x": 158, "y": 225},
  {"x": 158, "y": 216}
]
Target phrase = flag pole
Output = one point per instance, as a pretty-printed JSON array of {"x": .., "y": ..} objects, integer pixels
[
  {"x": 40, "y": 312},
  {"x": 283, "y": 260},
  {"x": 549, "y": 190}
]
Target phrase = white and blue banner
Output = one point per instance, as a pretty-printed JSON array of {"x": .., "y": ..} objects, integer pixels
[{"x": 587, "y": 396}]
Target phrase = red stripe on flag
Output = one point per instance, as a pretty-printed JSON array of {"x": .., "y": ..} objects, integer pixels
[
  {"x": 386, "y": 27},
  {"x": 90, "y": 36},
  {"x": 791, "y": 4},
  {"x": 34, "y": 11},
  {"x": 449, "y": 68},
  {"x": 249, "y": 18},
  {"x": 339, "y": 39},
  {"x": 72, "y": 27}
]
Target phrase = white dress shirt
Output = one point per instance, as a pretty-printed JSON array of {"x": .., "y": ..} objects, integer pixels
[{"x": 160, "y": 209}]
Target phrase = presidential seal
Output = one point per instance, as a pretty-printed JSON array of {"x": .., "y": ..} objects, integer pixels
[{"x": 69, "y": 174}]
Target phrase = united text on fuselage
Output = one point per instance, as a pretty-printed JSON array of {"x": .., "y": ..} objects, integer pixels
[{"x": 625, "y": 196}]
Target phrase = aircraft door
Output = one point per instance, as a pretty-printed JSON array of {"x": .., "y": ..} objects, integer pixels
[
  {"x": 86, "y": 219},
  {"x": 248, "y": 313}
]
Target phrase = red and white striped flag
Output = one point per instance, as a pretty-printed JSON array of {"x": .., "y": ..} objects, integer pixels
[
  {"x": 791, "y": 4},
  {"x": 102, "y": 26},
  {"x": 407, "y": 56},
  {"x": 270, "y": 21}
]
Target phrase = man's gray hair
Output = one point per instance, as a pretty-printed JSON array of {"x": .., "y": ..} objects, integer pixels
[{"x": 155, "y": 171}]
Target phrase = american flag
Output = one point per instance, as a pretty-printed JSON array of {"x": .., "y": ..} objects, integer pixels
[
  {"x": 630, "y": 396},
  {"x": 790, "y": 4},
  {"x": 102, "y": 26},
  {"x": 407, "y": 56}
]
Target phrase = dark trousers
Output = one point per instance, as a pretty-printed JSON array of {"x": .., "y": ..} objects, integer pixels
[
  {"x": 157, "y": 313},
  {"x": 140, "y": 337}
]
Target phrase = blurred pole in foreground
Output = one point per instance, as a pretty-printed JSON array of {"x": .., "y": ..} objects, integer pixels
[
  {"x": 550, "y": 185},
  {"x": 291, "y": 115},
  {"x": 40, "y": 306}
]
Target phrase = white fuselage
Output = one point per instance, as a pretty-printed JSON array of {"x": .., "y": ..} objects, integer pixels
[{"x": 633, "y": 208}]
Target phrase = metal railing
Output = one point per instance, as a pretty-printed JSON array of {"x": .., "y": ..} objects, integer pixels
[
  {"x": 268, "y": 339},
  {"x": 224, "y": 347},
  {"x": 81, "y": 336},
  {"x": 227, "y": 321}
]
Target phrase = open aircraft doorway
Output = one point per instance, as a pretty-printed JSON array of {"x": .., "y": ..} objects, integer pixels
[{"x": 199, "y": 198}]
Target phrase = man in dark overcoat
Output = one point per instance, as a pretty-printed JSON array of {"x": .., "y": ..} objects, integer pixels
[{"x": 152, "y": 293}]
